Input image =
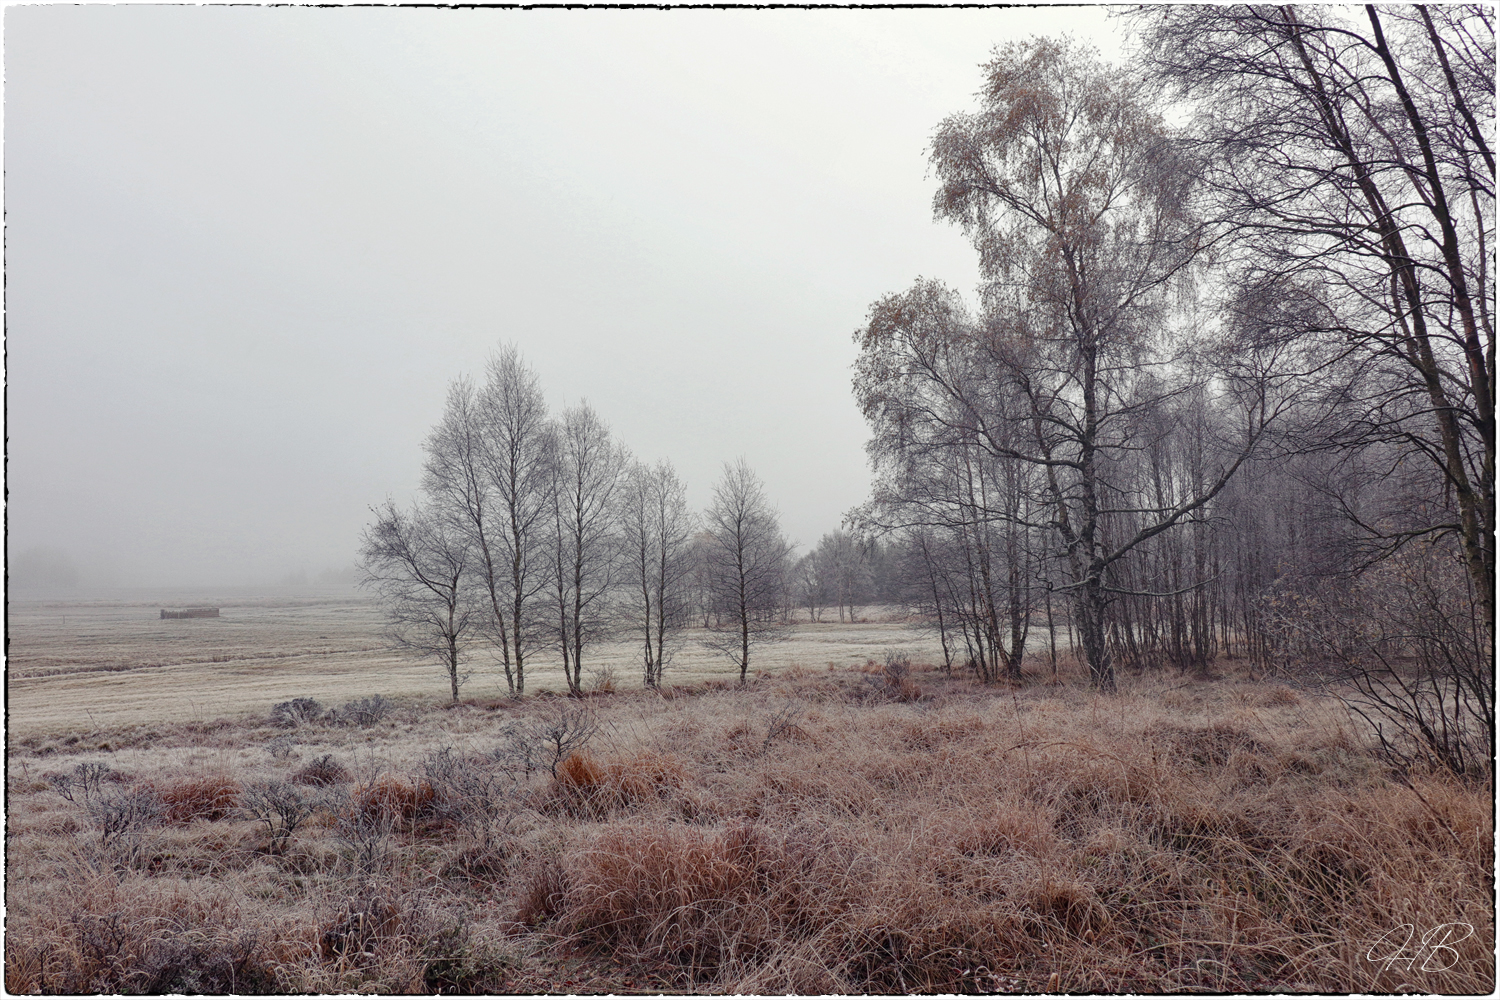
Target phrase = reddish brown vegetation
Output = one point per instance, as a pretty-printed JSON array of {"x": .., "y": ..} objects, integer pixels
[
  {"x": 806, "y": 835},
  {"x": 322, "y": 772},
  {"x": 391, "y": 797},
  {"x": 208, "y": 797}
]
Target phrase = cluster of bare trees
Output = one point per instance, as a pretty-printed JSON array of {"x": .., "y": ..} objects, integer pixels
[
  {"x": 838, "y": 573},
  {"x": 1227, "y": 383},
  {"x": 1030, "y": 417},
  {"x": 539, "y": 535},
  {"x": 1228, "y": 389}
]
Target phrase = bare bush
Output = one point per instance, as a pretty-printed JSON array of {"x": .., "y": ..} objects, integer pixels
[
  {"x": 297, "y": 712},
  {"x": 364, "y": 711},
  {"x": 281, "y": 806},
  {"x": 468, "y": 792},
  {"x": 570, "y": 730},
  {"x": 1406, "y": 636},
  {"x": 893, "y": 682},
  {"x": 122, "y": 817},
  {"x": 1437, "y": 708},
  {"x": 85, "y": 779},
  {"x": 363, "y": 835},
  {"x": 517, "y": 752},
  {"x": 356, "y": 933},
  {"x": 129, "y": 952}
]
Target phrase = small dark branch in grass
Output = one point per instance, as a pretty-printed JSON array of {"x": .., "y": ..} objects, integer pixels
[
  {"x": 570, "y": 730},
  {"x": 782, "y": 723},
  {"x": 281, "y": 806},
  {"x": 86, "y": 779}
]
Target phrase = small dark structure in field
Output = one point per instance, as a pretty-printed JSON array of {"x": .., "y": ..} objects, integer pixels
[{"x": 191, "y": 613}]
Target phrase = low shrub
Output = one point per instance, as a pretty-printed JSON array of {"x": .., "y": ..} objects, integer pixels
[
  {"x": 297, "y": 712},
  {"x": 364, "y": 712},
  {"x": 356, "y": 932},
  {"x": 892, "y": 681},
  {"x": 567, "y": 732},
  {"x": 118, "y": 934},
  {"x": 470, "y": 791},
  {"x": 280, "y": 806},
  {"x": 121, "y": 820},
  {"x": 324, "y": 771},
  {"x": 455, "y": 962},
  {"x": 84, "y": 781}
]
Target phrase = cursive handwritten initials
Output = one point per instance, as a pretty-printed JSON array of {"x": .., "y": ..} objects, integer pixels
[{"x": 1435, "y": 948}]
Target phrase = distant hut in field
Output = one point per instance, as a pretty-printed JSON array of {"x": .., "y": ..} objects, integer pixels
[{"x": 191, "y": 613}]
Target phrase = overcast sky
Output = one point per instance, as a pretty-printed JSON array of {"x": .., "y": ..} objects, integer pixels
[{"x": 248, "y": 248}]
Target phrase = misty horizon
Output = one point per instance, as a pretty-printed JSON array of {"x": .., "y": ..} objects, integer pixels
[{"x": 250, "y": 248}]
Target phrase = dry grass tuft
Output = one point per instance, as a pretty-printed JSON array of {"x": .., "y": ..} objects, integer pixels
[
  {"x": 322, "y": 772},
  {"x": 1003, "y": 829},
  {"x": 1071, "y": 905},
  {"x": 586, "y": 785},
  {"x": 357, "y": 931},
  {"x": 208, "y": 797},
  {"x": 580, "y": 770},
  {"x": 391, "y": 798},
  {"x": 1280, "y": 695}
]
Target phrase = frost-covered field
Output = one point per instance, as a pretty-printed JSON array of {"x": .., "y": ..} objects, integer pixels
[{"x": 82, "y": 663}]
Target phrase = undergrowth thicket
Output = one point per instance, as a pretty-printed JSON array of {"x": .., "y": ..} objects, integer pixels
[{"x": 815, "y": 832}]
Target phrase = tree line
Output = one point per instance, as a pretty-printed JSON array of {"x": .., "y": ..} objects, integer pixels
[
  {"x": 540, "y": 534},
  {"x": 1228, "y": 387}
]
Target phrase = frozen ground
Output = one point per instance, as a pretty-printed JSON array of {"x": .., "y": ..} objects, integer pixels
[{"x": 112, "y": 661}]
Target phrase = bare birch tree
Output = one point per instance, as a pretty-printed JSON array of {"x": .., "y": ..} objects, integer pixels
[
  {"x": 456, "y": 481},
  {"x": 417, "y": 561},
  {"x": 656, "y": 536},
  {"x": 812, "y": 578},
  {"x": 1348, "y": 155},
  {"x": 587, "y": 468},
  {"x": 518, "y": 452},
  {"x": 747, "y": 567}
]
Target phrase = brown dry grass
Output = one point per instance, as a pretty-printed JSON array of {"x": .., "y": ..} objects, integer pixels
[
  {"x": 817, "y": 832},
  {"x": 208, "y": 798}
]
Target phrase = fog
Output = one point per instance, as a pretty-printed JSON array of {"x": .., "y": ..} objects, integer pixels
[{"x": 248, "y": 249}]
